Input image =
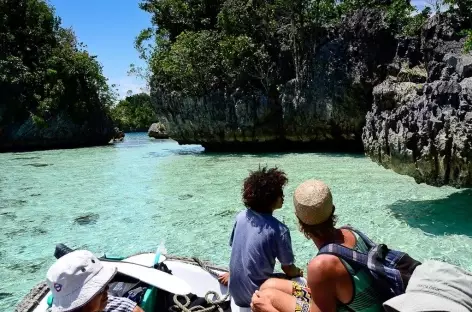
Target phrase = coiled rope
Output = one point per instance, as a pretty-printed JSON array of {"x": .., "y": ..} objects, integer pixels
[{"x": 214, "y": 303}]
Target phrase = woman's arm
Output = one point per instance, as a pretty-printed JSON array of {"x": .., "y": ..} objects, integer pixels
[
  {"x": 138, "y": 309},
  {"x": 292, "y": 270}
]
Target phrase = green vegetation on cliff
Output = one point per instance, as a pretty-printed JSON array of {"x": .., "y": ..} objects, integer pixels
[
  {"x": 134, "y": 113},
  {"x": 198, "y": 46},
  {"x": 44, "y": 71},
  {"x": 461, "y": 8}
]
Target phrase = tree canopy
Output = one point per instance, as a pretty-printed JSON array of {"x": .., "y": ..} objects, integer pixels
[
  {"x": 134, "y": 113},
  {"x": 44, "y": 69},
  {"x": 196, "y": 46}
]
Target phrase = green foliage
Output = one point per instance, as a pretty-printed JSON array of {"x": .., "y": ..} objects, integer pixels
[
  {"x": 399, "y": 14},
  {"x": 416, "y": 22},
  {"x": 39, "y": 121},
  {"x": 468, "y": 40},
  {"x": 195, "y": 46},
  {"x": 134, "y": 113},
  {"x": 177, "y": 16},
  {"x": 190, "y": 63},
  {"x": 398, "y": 11},
  {"x": 43, "y": 69},
  {"x": 461, "y": 8}
]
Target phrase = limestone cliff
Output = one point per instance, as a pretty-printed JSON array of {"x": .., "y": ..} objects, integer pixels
[
  {"x": 326, "y": 111},
  {"x": 59, "y": 131},
  {"x": 421, "y": 118}
]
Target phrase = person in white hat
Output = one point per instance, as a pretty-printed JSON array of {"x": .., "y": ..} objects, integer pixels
[
  {"x": 333, "y": 283},
  {"x": 435, "y": 286},
  {"x": 79, "y": 283}
]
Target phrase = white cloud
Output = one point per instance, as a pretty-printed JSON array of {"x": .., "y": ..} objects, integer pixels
[
  {"x": 421, "y": 4},
  {"x": 125, "y": 84}
]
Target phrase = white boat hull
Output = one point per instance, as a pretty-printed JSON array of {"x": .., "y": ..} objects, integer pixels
[{"x": 199, "y": 280}]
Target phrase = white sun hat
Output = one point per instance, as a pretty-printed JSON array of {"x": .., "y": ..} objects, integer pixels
[
  {"x": 435, "y": 286},
  {"x": 76, "y": 278}
]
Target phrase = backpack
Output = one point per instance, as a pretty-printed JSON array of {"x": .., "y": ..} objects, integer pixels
[{"x": 391, "y": 269}]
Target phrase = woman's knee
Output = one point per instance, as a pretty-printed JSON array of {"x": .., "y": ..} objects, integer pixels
[
  {"x": 270, "y": 283},
  {"x": 281, "y": 301},
  {"x": 270, "y": 293},
  {"x": 279, "y": 284}
]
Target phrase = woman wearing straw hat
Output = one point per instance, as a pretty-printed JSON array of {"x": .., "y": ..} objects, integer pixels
[
  {"x": 79, "y": 283},
  {"x": 333, "y": 282}
]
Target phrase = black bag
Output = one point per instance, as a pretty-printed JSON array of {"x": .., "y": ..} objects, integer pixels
[{"x": 131, "y": 290}]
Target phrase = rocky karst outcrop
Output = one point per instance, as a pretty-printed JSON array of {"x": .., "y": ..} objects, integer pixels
[
  {"x": 158, "y": 131},
  {"x": 53, "y": 93},
  {"x": 59, "y": 131},
  {"x": 422, "y": 127},
  {"x": 326, "y": 112},
  {"x": 405, "y": 101}
]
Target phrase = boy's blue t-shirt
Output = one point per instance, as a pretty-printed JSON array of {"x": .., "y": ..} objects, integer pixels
[{"x": 257, "y": 240}]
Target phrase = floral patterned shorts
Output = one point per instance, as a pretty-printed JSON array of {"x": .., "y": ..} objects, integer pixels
[{"x": 303, "y": 296}]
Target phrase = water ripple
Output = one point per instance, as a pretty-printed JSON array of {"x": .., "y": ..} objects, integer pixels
[{"x": 130, "y": 196}]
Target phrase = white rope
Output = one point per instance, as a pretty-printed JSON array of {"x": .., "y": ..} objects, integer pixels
[{"x": 214, "y": 303}]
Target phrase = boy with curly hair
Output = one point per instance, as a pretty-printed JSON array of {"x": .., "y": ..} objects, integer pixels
[{"x": 258, "y": 238}]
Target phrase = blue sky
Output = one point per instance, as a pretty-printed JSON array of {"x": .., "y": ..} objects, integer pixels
[{"x": 108, "y": 28}]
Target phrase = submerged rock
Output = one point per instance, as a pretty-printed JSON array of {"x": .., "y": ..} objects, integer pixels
[
  {"x": 26, "y": 267},
  {"x": 26, "y": 158},
  {"x": 8, "y": 215},
  {"x": 425, "y": 130},
  {"x": 158, "y": 131},
  {"x": 39, "y": 231},
  {"x": 185, "y": 196},
  {"x": 4, "y": 295},
  {"x": 91, "y": 218},
  {"x": 12, "y": 203},
  {"x": 37, "y": 165}
]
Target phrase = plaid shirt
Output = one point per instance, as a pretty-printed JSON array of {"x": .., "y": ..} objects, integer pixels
[
  {"x": 119, "y": 304},
  {"x": 116, "y": 304}
]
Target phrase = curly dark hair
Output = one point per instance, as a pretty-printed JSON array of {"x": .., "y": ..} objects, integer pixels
[
  {"x": 262, "y": 188},
  {"x": 322, "y": 230}
]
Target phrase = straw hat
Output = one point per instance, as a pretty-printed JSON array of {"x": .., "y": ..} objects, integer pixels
[{"x": 313, "y": 202}]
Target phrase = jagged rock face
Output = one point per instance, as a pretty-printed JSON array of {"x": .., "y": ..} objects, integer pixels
[
  {"x": 158, "y": 131},
  {"x": 425, "y": 130},
  {"x": 345, "y": 68},
  {"x": 326, "y": 112},
  {"x": 61, "y": 131}
]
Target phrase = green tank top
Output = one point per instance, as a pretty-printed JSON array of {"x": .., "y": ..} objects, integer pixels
[{"x": 365, "y": 295}]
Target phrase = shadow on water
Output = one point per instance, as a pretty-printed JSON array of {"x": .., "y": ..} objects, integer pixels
[
  {"x": 276, "y": 155},
  {"x": 4, "y": 295},
  {"x": 450, "y": 215},
  {"x": 198, "y": 151}
]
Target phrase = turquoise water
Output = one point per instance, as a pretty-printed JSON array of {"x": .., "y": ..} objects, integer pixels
[{"x": 142, "y": 192}]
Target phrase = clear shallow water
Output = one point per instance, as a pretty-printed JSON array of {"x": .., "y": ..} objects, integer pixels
[{"x": 143, "y": 191}]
